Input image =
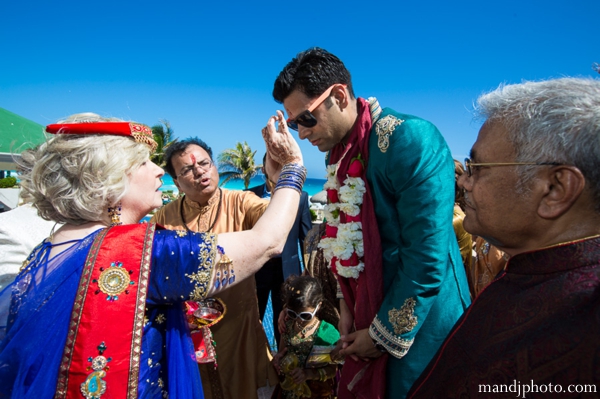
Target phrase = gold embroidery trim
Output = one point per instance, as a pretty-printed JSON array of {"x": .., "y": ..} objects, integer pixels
[
  {"x": 204, "y": 218},
  {"x": 404, "y": 320},
  {"x": 114, "y": 280},
  {"x": 140, "y": 311},
  {"x": 203, "y": 277},
  {"x": 384, "y": 129},
  {"x": 160, "y": 319},
  {"x": 143, "y": 134},
  {"x": 394, "y": 345},
  {"x": 374, "y": 109},
  {"x": 63, "y": 376}
]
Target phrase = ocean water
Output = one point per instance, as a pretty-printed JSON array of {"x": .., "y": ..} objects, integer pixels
[{"x": 311, "y": 186}]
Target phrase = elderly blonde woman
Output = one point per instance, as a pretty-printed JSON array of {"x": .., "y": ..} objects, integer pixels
[{"x": 97, "y": 308}]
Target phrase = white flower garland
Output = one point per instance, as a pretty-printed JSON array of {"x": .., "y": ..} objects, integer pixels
[{"x": 349, "y": 238}]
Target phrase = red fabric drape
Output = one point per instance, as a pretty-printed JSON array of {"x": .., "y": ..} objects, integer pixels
[{"x": 116, "y": 324}]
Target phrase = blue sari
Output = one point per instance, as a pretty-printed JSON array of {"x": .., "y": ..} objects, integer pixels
[{"x": 35, "y": 312}]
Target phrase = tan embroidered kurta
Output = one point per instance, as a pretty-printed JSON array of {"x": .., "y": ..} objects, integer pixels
[
  {"x": 464, "y": 239},
  {"x": 488, "y": 262},
  {"x": 242, "y": 348}
]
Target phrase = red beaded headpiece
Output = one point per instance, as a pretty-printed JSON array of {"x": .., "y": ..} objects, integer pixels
[{"x": 139, "y": 132}]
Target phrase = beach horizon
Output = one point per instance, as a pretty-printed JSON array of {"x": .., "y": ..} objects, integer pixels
[{"x": 312, "y": 186}]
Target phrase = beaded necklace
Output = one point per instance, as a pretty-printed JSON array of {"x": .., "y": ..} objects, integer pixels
[
  {"x": 308, "y": 327},
  {"x": 302, "y": 338}
]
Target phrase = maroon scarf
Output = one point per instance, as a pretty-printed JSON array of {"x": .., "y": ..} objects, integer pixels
[{"x": 365, "y": 294}]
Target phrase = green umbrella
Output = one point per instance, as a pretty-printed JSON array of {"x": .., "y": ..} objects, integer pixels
[{"x": 16, "y": 135}]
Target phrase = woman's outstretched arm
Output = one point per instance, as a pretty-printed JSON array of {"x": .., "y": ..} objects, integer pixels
[{"x": 250, "y": 249}]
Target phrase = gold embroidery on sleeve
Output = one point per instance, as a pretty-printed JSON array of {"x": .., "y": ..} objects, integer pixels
[
  {"x": 206, "y": 257},
  {"x": 384, "y": 129},
  {"x": 394, "y": 345},
  {"x": 404, "y": 320}
]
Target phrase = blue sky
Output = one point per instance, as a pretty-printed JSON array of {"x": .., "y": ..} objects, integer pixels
[{"x": 209, "y": 68}]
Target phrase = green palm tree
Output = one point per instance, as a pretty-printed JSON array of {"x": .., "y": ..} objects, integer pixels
[
  {"x": 163, "y": 134},
  {"x": 238, "y": 163}
]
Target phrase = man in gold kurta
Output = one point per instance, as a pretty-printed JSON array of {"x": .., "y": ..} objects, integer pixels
[{"x": 242, "y": 349}]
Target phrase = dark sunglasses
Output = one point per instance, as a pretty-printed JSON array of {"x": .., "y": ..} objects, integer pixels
[
  {"x": 306, "y": 118},
  {"x": 306, "y": 316}
]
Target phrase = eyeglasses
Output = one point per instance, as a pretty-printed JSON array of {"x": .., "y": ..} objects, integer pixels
[
  {"x": 306, "y": 316},
  {"x": 203, "y": 165},
  {"x": 469, "y": 165},
  {"x": 306, "y": 118}
]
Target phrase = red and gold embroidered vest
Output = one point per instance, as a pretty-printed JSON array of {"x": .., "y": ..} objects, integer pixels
[{"x": 103, "y": 348}]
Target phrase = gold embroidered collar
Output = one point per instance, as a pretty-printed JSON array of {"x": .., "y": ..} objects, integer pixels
[
  {"x": 204, "y": 208},
  {"x": 203, "y": 222}
]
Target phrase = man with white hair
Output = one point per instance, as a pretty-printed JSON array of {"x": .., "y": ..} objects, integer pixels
[{"x": 533, "y": 190}]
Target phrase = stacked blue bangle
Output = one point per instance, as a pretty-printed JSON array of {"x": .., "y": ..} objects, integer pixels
[{"x": 293, "y": 176}]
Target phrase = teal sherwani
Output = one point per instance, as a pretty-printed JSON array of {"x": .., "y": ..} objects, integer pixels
[{"x": 411, "y": 174}]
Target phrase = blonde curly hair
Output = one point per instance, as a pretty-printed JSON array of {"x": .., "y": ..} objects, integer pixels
[{"x": 74, "y": 178}]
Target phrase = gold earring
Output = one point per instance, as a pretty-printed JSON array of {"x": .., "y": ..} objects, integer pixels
[{"x": 115, "y": 215}]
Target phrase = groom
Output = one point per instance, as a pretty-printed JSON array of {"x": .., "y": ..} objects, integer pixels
[{"x": 400, "y": 269}]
